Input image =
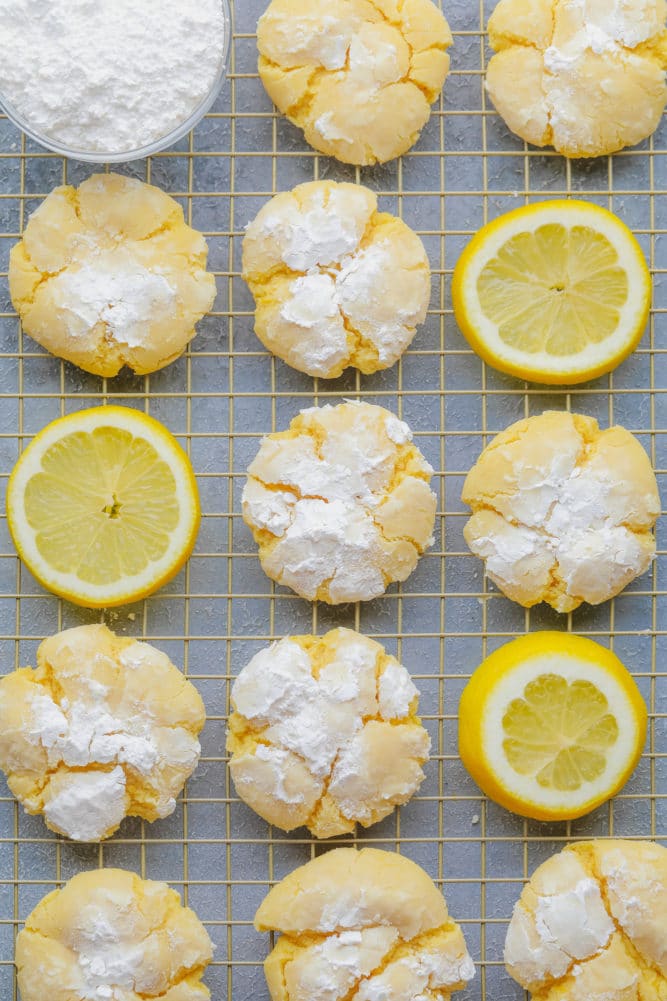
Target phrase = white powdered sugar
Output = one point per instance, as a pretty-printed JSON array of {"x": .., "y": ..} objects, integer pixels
[
  {"x": 397, "y": 431},
  {"x": 576, "y": 920},
  {"x": 314, "y": 307},
  {"x": 86, "y": 804},
  {"x": 77, "y": 734},
  {"x": 109, "y": 76},
  {"x": 318, "y": 38},
  {"x": 95, "y": 740},
  {"x": 320, "y": 303},
  {"x": 329, "y": 970},
  {"x": 318, "y": 233},
  {"x": 602, "y": 85},
  {"x": 595, "y": 913},
  {"x": 311, "y": 717},
  {"x": 622, "y": 22},
  {"x": 317, "y": 717},
  {"x": 563, "y": 512},
  {"x": 361, "y": 778},
  {"x": 112, "y": 954},
  {"x": 274, "y": 683},
  {"x": 327, "y": 128},
  {"x": 605, "y": 28},
  {"x": 278, "y": 760},
  {"x": 396, "y": 692},
  {"x": 325, "y": 504},
  {"x": 418, "y": 975},
  {"x": 359, "y": 280},
  {"x": 330, "y": 540},
  {"x": 346, "y": 911},
  {"x": 115, "y": 289},
  {"x": 565, "y": 518},
  {"x": 565, "y": 927}
]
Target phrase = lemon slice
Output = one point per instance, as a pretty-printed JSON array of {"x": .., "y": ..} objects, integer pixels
[
  {"x": 551, "y": 726},
  {"x": 557, "y": 292},
  {"x": 103, "y": 506}
]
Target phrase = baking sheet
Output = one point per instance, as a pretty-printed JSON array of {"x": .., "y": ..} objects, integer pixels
[{"x": 223, "y": 396}]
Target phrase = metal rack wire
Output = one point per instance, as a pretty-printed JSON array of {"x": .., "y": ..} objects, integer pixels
[{"x": 223, "y": 395}]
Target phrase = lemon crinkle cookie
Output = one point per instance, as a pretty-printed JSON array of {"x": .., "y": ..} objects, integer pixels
[
  {"x": 105, "y": 727},
  {"x": 562, "y": 511},
  {"x": 336, "y": 282},
  {"x": 590, "y": 925},
  {"x": 108, "y": 935},
  {"x": 358, "y": 76},
  {"x": 584, "y": 76},
  {"x": 340, "y": 504},
  {"x": 109, "y": 274},
  {"x": 325, "y": 733},
  {"x": 365, "y": 926}
]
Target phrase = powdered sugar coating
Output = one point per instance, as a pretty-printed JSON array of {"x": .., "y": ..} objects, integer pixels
[
  {"x": 115, "y": 291},
  {"x": 414, "y": 976},
  {"x": 108, "y": 935},
  {"x": 369, "y": 926},
  {"x": 590, "y": 924},
  {"x": 109, "y": 274},
  {"x": 562, "y": 512},
  {"x": 340, "y": 505},
  {"x": 585, "y": 76},
  {"x": 358, "y": 76},
  {"x": 85, "y": 805},
  {"x": 336, "y": 283},
  {"x": 104, "y": 728},
  {"x": 310, "y": 741}
]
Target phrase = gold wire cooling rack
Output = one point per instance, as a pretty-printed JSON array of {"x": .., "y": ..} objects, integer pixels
[{"x": 223, "y": 395}]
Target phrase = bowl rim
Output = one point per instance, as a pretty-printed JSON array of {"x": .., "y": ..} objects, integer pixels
[{"x": 158, "y": 145}]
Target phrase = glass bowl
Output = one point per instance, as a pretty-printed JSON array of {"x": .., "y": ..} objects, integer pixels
[{"x": 158, "y": 144}]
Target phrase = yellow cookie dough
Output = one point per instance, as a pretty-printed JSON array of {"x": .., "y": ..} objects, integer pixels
[
  {"x": 336, "y": 282},
  {"x": 584, "y": 76},
  {"x": 562, "y": 511},
  {"x": 358, "y": 76},
  {"x": 105, "y": 727},
  {"x": 325, "y": 733},
  {"x": 110, "y": 936},
  {"x": 340, "y": 504},
  {"x": 362, "y": 925},
  {"x": 590, "y": 925},
  {"x": 109, "y": 274}
]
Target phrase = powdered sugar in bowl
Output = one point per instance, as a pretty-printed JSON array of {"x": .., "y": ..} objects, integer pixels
[{"x": 111, "y": 80}]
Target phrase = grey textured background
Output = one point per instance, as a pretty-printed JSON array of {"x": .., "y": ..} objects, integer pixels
[{"x": 223, "y": 396}]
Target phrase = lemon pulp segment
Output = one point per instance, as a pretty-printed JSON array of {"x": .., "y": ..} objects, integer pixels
[
  {"x": 558, "y": 732},
  {"x": 555, "y": 290},
  {"x": 551, "y": 726},
  {"x": 103, "y": 506}
]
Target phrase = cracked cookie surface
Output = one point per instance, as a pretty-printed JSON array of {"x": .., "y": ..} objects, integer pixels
[
  {"x": 325, "y": 733},
  {"x": 108, "y": 935},
  {"x": 336, "y": 282},
  {"x": 340, "y": 504},
  {"x": 584, "y": 76},
  {"x": 358, "y": 76},
  {"x": 562, "y": 511},
  {"x": 590, "y": 925},
  {"x": 109, "y": 274},
  {"x": 105, "y": 727},
  {"x": 362, "y": 925}
]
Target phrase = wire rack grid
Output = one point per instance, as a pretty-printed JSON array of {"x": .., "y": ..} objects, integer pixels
[{"x": 223, "y": 395}]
